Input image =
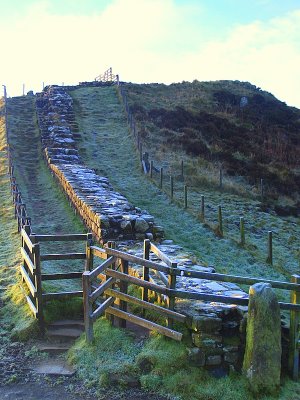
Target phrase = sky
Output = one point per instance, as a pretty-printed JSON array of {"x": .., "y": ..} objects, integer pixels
[{"x": 165, "y": 41}]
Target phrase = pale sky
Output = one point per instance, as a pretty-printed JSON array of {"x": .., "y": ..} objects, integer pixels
[{"x": 68, "y": 41}]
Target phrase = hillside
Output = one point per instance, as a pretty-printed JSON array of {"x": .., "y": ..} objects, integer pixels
[{"x": 228, "y": 124}]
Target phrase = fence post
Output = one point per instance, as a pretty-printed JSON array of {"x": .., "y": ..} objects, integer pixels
[
  {"x": 38, "y": 285},
  {"x": 171, "y": 298},
  {"x": 220, "y": 220},
  {"x": 185, "y": 196},
  {"x": 182, "y": 170},
  {"x": 161, "y": 177},
  {"x": 89, "y": 254},
  {"x": 270, "y": 248},
  {"x": 110, "y": 245},
  {"x": 294, "y": 332},
  {"x": 151, "y": 169},
  {"x": 221, "y": 178},
  {"x": 202, "y": 213},
  {"x": 87, "y": 306},
  {"x": 123, "y": 289},
  {"x": 146, "y": 256},
  {"x": 242, "y": 230},
  {"x": 262, "y": 190},
  {"x": 171, "y": 187}
]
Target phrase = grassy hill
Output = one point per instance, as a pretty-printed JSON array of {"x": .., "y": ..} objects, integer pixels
[{"x": 231, "y": 124}]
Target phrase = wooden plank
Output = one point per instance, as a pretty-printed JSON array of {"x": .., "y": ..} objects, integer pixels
[
  {"x": 38, "y": 284},
  {"x": 87, "y": 307},
  {"x": 101, "y": 268},
  {"x": 98, "y": 252},
  {"x": 124, "y": 289},
  {"x": 66, "y": 256},
  {"x": 100, "y": 290},
  {"x": 28, "y": 261},
  {"x": 171, "y": 299},
  {"x": 146, "y": 305},
  {"x": 102, "y": 308},
  {"x": 49, "y": 296},
  {"x": 160, "y": 254},
  {"x": 162, "y": 276},
  {"x": 29, "y": 301},
  {"x": 146, "y": 276},
  {"x": 27, "y": 240},
  {"x": 27, "y": 279},
  {"x": 137, "y": 281},
  {"x": 58, "y": 276},
  {"x": 61, "y": 238},
  {"x": 145, "y": 323},
  {"x": 138, "y": 260}
]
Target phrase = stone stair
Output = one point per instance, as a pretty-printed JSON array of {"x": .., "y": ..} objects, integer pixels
[{"x": 59, "y": 337}]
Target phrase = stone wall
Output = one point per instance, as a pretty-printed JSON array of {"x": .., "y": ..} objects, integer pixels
[
  {"x": 217, "y": 330},
  {"x": 106, "y": 212}
]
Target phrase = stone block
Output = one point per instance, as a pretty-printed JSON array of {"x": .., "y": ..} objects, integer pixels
[
  {"x": 206, "y": 323},
  {"x": 206, "y": 341},
  {"x": 141, "y": 226},
  {"x": 197, "y": 357},
  {"x": 214, "y": 360},
  {"x": 231, "y": 358}
]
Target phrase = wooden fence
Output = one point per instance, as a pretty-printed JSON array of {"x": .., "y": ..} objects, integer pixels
[
  {"x": 32, "y": 271},
  {"x": 20, "y": 207},
  {"x": 108, "y": 76},
  {"x": 111, "y": 278},
  {"x": 166, "y": 182}
]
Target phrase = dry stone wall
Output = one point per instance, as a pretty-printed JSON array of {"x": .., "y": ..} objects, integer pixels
[
  {"x": 106, "y": 212},
  {"x": 218, "y": 341}
]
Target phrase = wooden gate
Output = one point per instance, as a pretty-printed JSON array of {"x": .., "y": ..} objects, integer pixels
[
  {"x": 105, "y": 289},
  {"x": 32, "y": 271}
]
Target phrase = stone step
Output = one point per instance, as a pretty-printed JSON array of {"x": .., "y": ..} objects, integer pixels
[
  {"x": 62, "y": 334},
  {"x": 53, "y": 349},
  {"x": 68, "y": 323},
  {"x": 56, "y": 367}
]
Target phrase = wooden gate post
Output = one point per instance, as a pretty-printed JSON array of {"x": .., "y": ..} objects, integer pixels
[
  {"x": 123, "y": 289},
  {"x": 38, "y": 285},
  {"x": 146, "y": 256},
  {"x": 87, "y": 307},
  {"x": 89, "y": 254},
  {"x": 294, "y": 332},
  {"x": 111, "y": 245},
  {"x": 171, "y": 285},
  {"x": 242, "y": 231}
]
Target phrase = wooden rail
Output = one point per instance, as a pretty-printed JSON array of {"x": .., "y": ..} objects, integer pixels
[
  {"x": 167, "y": 273},
  {"x": 108, "y": 76},
  {"x": 31, "y": 269}
]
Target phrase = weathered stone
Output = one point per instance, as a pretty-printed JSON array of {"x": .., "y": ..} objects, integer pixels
[
  {"x": 262, "y": 360},
  {"x": 206, "y": 323},
  {"x": 197, "y": 357},
  {"x": 141, "y": 226},
  {"x": 126, "y": 226},
  {"x": 202, "y": 340},
  {"x": 149, "y": 236},
  {"x": 231, "y": 358},
  {"x": 140, "y": 236},
  {"x": 214, "y": 360}
]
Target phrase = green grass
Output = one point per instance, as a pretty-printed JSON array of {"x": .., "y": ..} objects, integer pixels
[
  {"x": 45, "y": 202},
  {"x": 160, "y": 365},
  {"x": 107, "y": 146},
  {"x": 15, "y": 318}
]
